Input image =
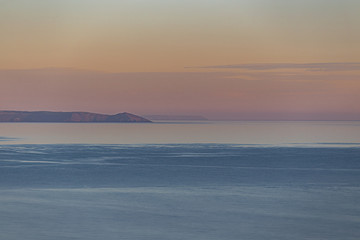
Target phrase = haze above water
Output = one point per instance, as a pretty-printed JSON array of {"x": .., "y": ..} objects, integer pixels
[{"x": 236, "y": 180}]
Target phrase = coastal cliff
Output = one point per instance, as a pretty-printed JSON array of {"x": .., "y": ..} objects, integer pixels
[{"x": 46, "y": 116}]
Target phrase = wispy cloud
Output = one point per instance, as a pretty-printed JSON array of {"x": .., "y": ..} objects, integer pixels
[{"x": 333, "y": 66}]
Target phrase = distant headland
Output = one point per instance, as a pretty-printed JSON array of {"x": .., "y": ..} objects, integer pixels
[{"x": 48, "y": 116}]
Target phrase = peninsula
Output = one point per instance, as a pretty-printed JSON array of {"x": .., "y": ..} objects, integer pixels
[{"x": 47, "y": 116}]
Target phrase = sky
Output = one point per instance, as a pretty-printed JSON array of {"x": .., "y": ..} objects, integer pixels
[{"x": 223, "y": 59}]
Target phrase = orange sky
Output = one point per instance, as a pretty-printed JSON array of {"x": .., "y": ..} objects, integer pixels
[{"x": 183, "y": 57}]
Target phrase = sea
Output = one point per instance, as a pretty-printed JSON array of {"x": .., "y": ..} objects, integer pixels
[{"x": 180, "y": 180}]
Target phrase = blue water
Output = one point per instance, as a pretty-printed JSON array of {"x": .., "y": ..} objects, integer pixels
[{"x": 296, "y": 190}]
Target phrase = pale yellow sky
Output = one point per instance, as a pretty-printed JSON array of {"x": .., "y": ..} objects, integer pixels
[
  {"x": 165, "y": 35},
  {"x": 238, "y": 59}
]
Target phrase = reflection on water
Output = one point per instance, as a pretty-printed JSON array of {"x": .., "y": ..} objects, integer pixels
[
  {"x": 276, "y": 133},
  {"x": 125, "y": 181},
  {"x": 181, "y": 191}
]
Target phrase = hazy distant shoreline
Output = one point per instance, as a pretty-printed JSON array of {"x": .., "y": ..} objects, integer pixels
[{"x": 176, "y": 118}]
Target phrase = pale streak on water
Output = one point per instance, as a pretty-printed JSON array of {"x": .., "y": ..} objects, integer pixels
[
  {"x": 245, "y": 180},
  {"x": 270, "y": 133}
]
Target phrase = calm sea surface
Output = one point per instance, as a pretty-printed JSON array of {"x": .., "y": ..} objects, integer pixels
[
  {"x": 180, "y": 180},
  {"x": 273, "y": 133}
]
